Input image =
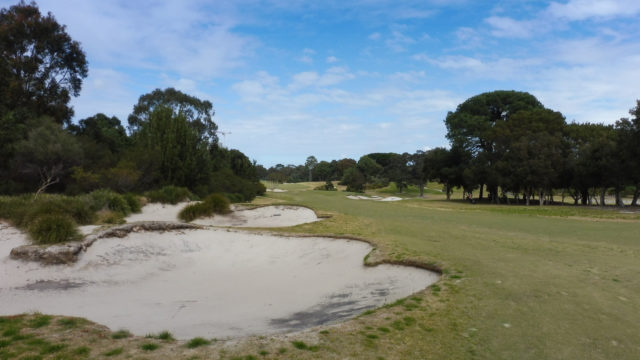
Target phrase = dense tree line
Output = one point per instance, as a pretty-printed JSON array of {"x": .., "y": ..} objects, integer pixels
[
  {"x": 509, "y": 148},
  {"x": 171, "y": 137}
]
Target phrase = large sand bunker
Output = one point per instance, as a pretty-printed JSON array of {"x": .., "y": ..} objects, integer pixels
[{"x": 211, "y": 283}]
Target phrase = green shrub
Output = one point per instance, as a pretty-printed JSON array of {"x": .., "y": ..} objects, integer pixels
[
  {"x": 170, "y": 195},
  {"x": 105, "y": 199},
  {"x": 212, "y": 204},
  {"x": 133, "y": 201},
  {"x": 78, "y": 208},
  {"x": 218, "y": 203},
  {"x": 53, "y": 228},
  {"x": 328, "y": 186},
  {"x": 194, "y": 211}
]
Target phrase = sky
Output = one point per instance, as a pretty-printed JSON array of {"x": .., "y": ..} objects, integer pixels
[{"x": 334, "y": 79}]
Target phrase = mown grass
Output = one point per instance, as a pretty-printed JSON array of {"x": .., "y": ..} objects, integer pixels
[
  {"x": 550, "y": 282},
  {"x": 565, "y": 279}
]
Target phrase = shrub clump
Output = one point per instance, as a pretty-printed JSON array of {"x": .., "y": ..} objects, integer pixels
[
  {"x": 328, "y": 186},
  {"x": 53, "y": 228},
  {"x": 170, "y": 195},
  {"x": 212, "y": 204},
  {"x": 105, "y": 199}
]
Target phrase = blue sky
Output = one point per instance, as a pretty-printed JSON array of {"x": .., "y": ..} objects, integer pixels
[{"x": 335, "y": 79}]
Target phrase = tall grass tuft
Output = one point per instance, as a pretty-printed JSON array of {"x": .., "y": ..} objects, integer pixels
[
  {"x": 53, "y": 228},
  {"x": 212, "y": 204}
]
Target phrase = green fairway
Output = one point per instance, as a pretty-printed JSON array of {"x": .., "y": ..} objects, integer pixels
[{"x": 520, "y": 282}]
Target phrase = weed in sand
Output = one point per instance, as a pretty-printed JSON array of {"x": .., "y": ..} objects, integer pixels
[
  {"x": 164, "y": 335},
  {"x": 121, "y": 334},
  {"x": 149, "y": 346},
  {"x": 197, "y": 342}
]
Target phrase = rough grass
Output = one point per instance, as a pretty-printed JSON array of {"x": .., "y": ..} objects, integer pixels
[{"x": 518, "y": 283}]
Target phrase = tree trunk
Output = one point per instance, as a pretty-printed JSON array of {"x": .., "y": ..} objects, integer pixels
[
  {"x": 527, "y": 197},
  {"x": 636, "y": 195},
  {"x": 551, "y": 197},
  {"x": 541, "y": 197},
  {"x": 585, "y": 198},
  {"x": 619, "y": 201},
  {"x": 481, "y": 192},
  {"x": 604, "y": 190},
  {"x": 421, "y": 189},
  {"x": 448, "y": 189}
]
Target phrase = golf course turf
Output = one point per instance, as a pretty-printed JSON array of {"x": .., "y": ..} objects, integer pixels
[{"x": 551, "y": 282}]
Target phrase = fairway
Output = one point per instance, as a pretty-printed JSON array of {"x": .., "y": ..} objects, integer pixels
[{"x": 520, "y": 282}]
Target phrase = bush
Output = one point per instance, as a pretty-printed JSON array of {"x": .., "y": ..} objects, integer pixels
[
  {"x": 218, "y": 203},
  {"x": 53, "y": 228},
  {"x": 78, "y": 208},
  {"x": 194, "y": 211},
  {"x": 105, "y": 199},
  {"x": 328, "y": 186},
  {"x": 212, "y": 204},
  {"x": 170, "y": 195},
  {"x": 133, "y": 201}
]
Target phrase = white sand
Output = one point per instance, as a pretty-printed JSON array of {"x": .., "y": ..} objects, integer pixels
[
  {"x": 211, "y": 283},
  {"x": 158, "y": 212},
  {"x": 267, "y": 216},
  {"x": 277, "y": 190},
  {"x": 374, "y": 198}
]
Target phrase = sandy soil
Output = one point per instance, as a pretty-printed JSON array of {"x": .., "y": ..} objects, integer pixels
[
  {"x": 267, "y": 216},
  {"x": 211, "y": 283},
  {"x": 374, "y": 198}
]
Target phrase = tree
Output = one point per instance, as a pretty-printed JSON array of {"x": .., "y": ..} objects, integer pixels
[
  {"x": 310, "y": 164},
  {"x": 628, "y": 133},
  {"x": 170, "y": 152},
  {"x": 323, "y": 170},
  {"x": 354, "y": 180},
  {"x": 41, "y": 67},
  {"x": 198, "y": 113},
  {"x": 471, "y": 127},
  {"x": 369, "y": 167},
  {"x": 533, "y": 151},
  {"x": 48, "y": 154}
]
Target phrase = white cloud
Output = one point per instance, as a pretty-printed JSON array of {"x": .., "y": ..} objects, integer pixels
[
  {"x": 375, "y": 36},
  {"x": 586, "y": 9},
  {"x": 332, "y": 59},
  {"x": 508, "y": 27}
]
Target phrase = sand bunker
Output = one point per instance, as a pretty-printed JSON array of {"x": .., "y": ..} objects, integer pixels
[
  {"x": 374, "y": 198},
  {"x": 276, "y": 190},
  {"x": 211, "y": 283},
  {"x": 267, "y": 216}
]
